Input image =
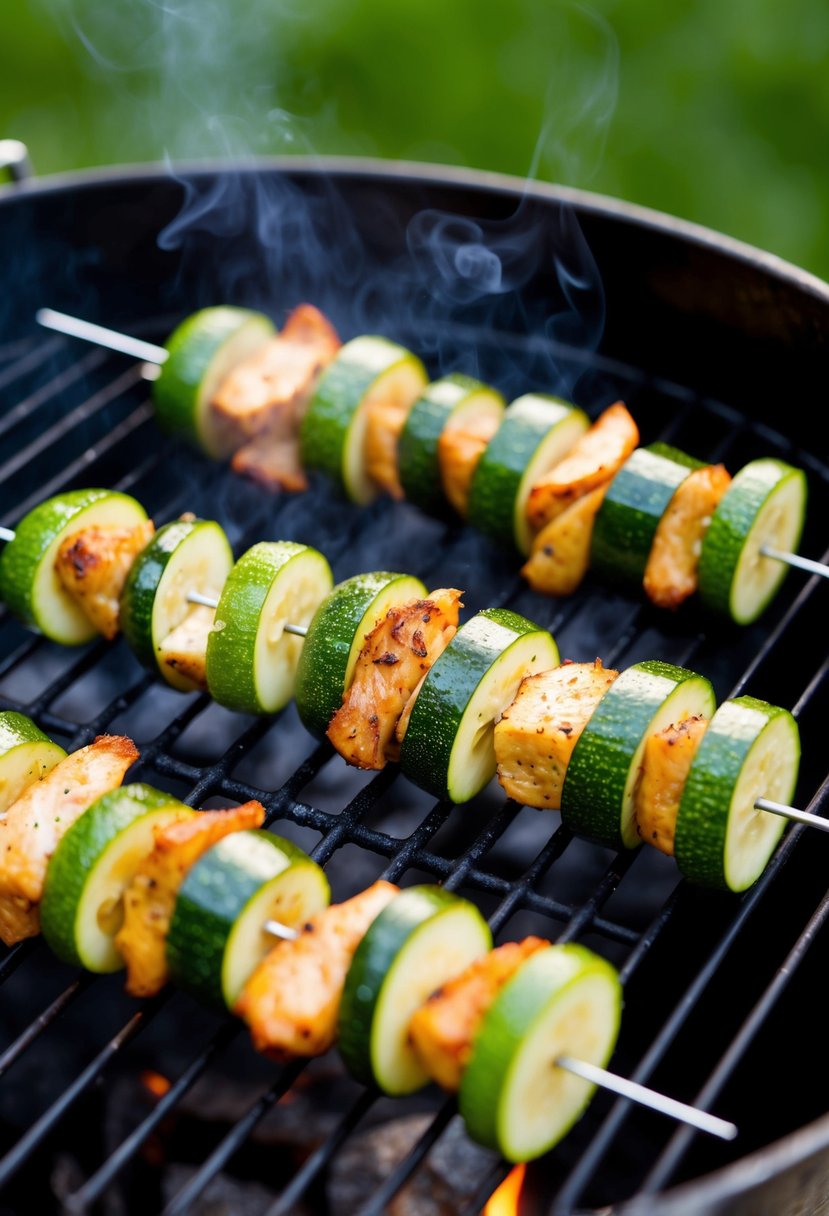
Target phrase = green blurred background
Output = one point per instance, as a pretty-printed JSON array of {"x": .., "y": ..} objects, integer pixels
[{"x": 714, "y": 110}]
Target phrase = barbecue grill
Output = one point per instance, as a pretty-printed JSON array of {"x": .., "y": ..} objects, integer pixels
[{"x": 714, "y": 346}]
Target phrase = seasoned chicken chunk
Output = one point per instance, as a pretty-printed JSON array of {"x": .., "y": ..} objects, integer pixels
[
  {"x": 671, "y": 570},
  {"x": 93, "y": 565},
  {"x": 535, "y": 737},
  {"x": 459, "y": 450},
  {"x": 150, "y": 899},
  {"x": 666, "y": 762},
  {"x": 560, "y": 556},
  {"x": 592, "y": 461},
  {"x": 394, "y": 659},
  {"x": 185, "y": 649},
  {"x": 443, "y": 1030},
  {"x": 272, "y": 461},
  {"x": 387, "y": 405},
  {"x": 32, "y": 827},
  {"x": 292, "y": 1001}
]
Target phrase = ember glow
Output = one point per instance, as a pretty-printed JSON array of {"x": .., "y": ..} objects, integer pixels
[
  {"x": 155, "y": 1083},
  {"x": 504, "y": 1201}
]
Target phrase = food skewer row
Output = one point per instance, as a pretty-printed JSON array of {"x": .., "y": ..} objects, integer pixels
[
  {"x": 534, "y": 475},
  {"x": 385, "y": 673},
  {"x": 407, "y": 982}
]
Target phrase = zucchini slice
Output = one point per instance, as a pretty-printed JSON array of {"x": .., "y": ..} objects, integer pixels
[
  {"x": 336, "y": 636},
  {"x": 251, "y": 660},
  {"x": 26, "y": 755},
  {"x": 536, "y": 433},
  {"x": 421, "y": 939},
  {"x": 364, "y": 372},
  {"x": 597, "y": 800},
  {"x": 29, "y": 583},
  {"x": 449, "y": 747},
  {"x": 216, "y": 938},
  {"x": 183, "y": 556},
  {"x": 764, "y": 505},
  {"x": 750, "y": 750},
  {"x": 634, "y": 504},
  {"x": 202, "y": 350},
  {"x": 82, "y": 907},
  {"x": 563, "y": 1001},
  {"x": 445, "y": 405}
]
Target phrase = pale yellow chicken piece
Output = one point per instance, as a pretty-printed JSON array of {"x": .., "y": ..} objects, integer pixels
[
  {"x": 560, "y": 556},
  {"x": 150, "y": 899},
  {"x": 443, "y": 1030},
  {"x": 387, "y": 405},
  {"x": 666, "y": 762},
  {"x": 671, "y": 570},
  {"x": 185, "y": 649},
  {"x": 93, "y": 565},
  {"x": 394, "y": 659},
  {"x": 535, "y": 737},
  {"x": 459, "y": 450},
  {"x": 292, "y": 1001},
  {"x": 33, "y": 826},
  {"x": 592, "y": 461}
]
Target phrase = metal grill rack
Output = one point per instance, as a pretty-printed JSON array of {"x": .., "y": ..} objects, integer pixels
[{"x": 71, "y": 417}]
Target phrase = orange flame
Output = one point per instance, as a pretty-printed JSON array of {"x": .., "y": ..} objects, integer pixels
[
  {"x": 504, "y": 1201},
  {"x": 155, "y": 1083}
]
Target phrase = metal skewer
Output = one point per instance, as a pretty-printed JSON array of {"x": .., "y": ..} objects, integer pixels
[
  {"x": 209, "y": 601},
  {"x": 699, "y": 1119},
  {"x": 794, "y": 559}
]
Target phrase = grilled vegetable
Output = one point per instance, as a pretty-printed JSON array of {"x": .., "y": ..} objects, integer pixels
[
  {"x": 93, "y": 566},
  {"x": 750, "y": 750},
  {"x": 563, "y": 1001},
  {"x": 671, "y": 571},
  {"x": 356, "y": 413},
  {"x": 560, "y": 555},
  {"x": 94, "y": 863},
  {"x": 764, "y": 505},
  {"x": 150, "y": 898},
  {"x": 292, "y": 1001},
  {"x": 448, "y": 749},
  {"x": 216, "y": 938},
  {"x": 251, "y": 661},
  {"x": 535, "y": 737},
  {"x": 597, "y": 800},
  {"x": 536, "y": 433},
  {"x": 666, "y": 761},
  {"x": 393, "y": 661},
  {"x": 26, "y": 756},
  {"x": 33, "y": 826},
  {"x": 29, "y": 580},
  {"x": 422, "y": 939},
  {"x": 459, "y": 450},
  {"x": 202, "y": 351},
  {"x": 446, "y": 405},
  {"x": 337, "y": 634},
  {"x": 163, "y": 629}
]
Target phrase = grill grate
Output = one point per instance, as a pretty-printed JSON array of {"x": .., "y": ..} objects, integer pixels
[{"x": 71, "y": 421}]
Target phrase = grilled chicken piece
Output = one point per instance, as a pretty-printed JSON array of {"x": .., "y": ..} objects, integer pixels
[
  {"x": 185, "y": 649},
  {"x": 292, "y": 1001},
  {"x": 33, "y": 826},
  {"x": 394, "y": 659},
  {"x": 560, "y": 555},
  {"x": 387, "y": 405},
  {"x": 666, "y": 762},
  {"x": 671, "y": 572},
  {"x": 535, "y": 737},
  {"x": 459, "y": 450},
  {"x": 93, "y": 565},
  {"x": 591, "y": 462},
  {"x": 442, "y": 1031},
  {"x": 272, "y": 461},
  {"x": 150, "y": 898}
]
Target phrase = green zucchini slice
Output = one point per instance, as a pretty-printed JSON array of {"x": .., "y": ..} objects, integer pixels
[
  {"x": 448, "y": 748},
  {"x": 764, "y": 505},
  {"x": 335, "y": 638},
  {"x": 183, "y": 556},
  {"x": 26, "y": 755},
  {"x": 424, "y": 937},
  {"x": 94, "y": 863},
  {"x": 564, "y": 1001},
  {"x": 750, "y": 750},
  {"x": 597, "y": 800},
  {"x": 333, "y": 431},
  {"x": 251, "y": 660},
  {"x": 29, "y": 583},
  {"x": 217, "y": 937},
  {"x": 202, "y": 351}
]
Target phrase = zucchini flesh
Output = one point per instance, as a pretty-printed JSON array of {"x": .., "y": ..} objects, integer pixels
[{"x": 26, "y": 755}]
